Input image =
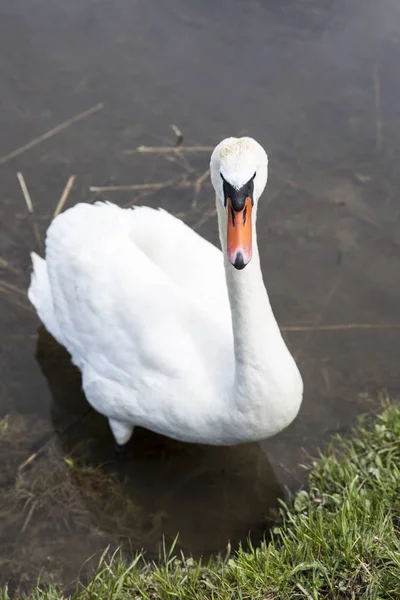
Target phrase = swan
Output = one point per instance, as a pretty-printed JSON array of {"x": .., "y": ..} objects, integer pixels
[{"x": 169, "y": 332}]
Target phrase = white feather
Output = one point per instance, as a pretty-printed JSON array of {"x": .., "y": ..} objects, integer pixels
[{"x": 141, "y": 303}]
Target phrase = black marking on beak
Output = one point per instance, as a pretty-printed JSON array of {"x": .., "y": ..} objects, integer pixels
[
  {"x": 232, "y": 214},
  {"x": 239, "y": 261},
  {"x": 238, "y": 196}
]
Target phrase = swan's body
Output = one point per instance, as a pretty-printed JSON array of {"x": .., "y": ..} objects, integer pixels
[{"x": 167, "y": 333}]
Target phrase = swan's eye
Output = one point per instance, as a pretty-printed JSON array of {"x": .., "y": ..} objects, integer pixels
[{"x": 255, "y": 173}]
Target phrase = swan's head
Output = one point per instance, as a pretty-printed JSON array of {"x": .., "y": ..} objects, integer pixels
[{"x": 239, "y": 172}]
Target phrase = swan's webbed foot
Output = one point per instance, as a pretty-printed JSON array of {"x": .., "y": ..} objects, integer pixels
[
  {"x": 122, "y": 433},
  {"x": 120, "y": 451}
]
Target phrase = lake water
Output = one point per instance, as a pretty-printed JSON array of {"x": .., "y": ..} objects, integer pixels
[{"x": 318, "y": 85}]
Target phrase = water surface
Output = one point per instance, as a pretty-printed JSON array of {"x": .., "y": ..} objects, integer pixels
[{"x": 318, "y": 86}]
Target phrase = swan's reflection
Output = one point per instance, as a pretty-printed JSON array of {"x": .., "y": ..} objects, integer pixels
[{"x": 209, "y": 495}]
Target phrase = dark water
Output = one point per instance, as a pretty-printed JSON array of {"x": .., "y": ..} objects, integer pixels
[{"x": 318, "y": 85}]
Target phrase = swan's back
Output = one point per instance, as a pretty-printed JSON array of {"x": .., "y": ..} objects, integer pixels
[
  {"x": 191, "y": 262},
  {"x": 134, "y": 286}
]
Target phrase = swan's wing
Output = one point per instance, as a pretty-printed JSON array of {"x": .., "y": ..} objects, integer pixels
[
  {"x": 190, "y": 261},
  {"x": 116, "y": 309}
]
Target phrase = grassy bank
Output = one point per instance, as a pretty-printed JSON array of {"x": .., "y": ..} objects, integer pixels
[{"x": 338, "y": 540}]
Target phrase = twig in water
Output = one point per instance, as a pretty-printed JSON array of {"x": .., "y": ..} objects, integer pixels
[
  {"x": 64, "y": 195},
  {"x": 137, "y": 186},
  {"x": 332, "y": 291},
  {"x": 181, "y": 159},
  {"x": 127, "y": 188},
  {"x": 197, "y": 186},
  {"x": 14, "y": 300},
  {"x": 164, "y": 149},
  {"x": 29, "y": 516},
  {"x": 12, "y": 288},
  {"x": 29, "y": 205},
  {"x": 25, "y": 192},
  {"x": 179, "y": 136},
  {"x": 50, "y": 133},
  {"x": 377, "y": 90},
  {"x": 35, "y": 455},
  {"x": 4, "y": 263}
]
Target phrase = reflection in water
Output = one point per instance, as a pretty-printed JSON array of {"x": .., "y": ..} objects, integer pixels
[{"x": 78, "y": 497}]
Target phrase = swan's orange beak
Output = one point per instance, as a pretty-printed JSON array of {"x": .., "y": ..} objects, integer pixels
[{"x": 239, "y": 246}]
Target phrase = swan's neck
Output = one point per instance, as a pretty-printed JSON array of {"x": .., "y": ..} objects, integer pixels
[{"x": 267, "y": 384}]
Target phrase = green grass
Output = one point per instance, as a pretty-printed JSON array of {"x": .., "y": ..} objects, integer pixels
[{"x": 338, "y": 540}]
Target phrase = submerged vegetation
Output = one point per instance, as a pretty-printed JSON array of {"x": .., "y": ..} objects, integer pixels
[
  {"x": 44, "y": 504},
  {"x": 338, "y": 540}
]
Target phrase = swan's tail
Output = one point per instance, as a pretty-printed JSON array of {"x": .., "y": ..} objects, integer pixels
[{"x": 39, "y": 293}]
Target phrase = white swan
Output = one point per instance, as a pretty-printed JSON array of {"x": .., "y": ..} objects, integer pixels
[{"x": 169, "y": 332}]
